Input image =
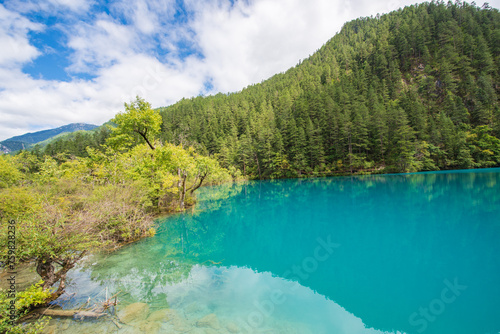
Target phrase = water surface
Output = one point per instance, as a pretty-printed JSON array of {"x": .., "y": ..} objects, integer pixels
[{"x": 408, "y": 253}]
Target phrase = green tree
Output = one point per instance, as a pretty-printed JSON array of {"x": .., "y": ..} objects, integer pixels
[{"x": 138, "y": 121}]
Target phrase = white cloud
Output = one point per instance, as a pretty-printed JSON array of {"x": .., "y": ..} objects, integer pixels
[
  {"x": 100, "y": 44},
  {"x": 16, "y": 48},
  {"x": 50, "y": 6},
  {"x": 73, "y": 5},
  {"x": 244, "y": 44}
]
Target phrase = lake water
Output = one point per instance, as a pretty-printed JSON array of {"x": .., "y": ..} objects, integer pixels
[{"x": 412, "y": 253}]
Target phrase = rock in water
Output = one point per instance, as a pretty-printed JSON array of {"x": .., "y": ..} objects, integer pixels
[
  {"x": 150, "y": 327},
  {"x": 232, "y": 328},
  {"x": 210, "y": 321},
  {"x": 134, "y": 312},
  {"x": 173, "y": 318},
  {"x": 163, "y": 315},
  {"x": 212, "y": 331},
  {"x": 50, "y": 329}
]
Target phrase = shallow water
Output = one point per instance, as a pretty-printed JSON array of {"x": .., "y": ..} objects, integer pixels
[{"x": 409, "y": 253}]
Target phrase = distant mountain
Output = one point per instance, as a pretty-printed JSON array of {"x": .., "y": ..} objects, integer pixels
[{"x": 29, "y": 139}]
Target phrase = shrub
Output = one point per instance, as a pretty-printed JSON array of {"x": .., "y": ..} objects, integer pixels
[{"x": 10, "y": 312}]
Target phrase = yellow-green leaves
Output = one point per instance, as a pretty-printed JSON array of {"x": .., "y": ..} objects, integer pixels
[
  {"x": 171, "y": 169},
  {"x": 33, "y": 296},
  {"x": 138, "y": 122},
  {"x": 16, "y": 202},
  {"x": 9, "y": 172}
]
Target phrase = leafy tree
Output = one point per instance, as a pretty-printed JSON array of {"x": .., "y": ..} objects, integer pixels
[{"x": 138, "y": 121}]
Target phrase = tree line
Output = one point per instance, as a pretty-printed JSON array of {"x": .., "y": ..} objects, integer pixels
[{"x": 413, "y": 90}]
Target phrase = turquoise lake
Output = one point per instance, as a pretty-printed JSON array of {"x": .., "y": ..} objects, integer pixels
[{"x": 402, "y": 253}]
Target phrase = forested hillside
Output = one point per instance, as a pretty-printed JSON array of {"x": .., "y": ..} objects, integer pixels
[
  {"x": 75, "y": 143},
  {"x": 29, "y": 139},
  {"x": 416, "y": 89}
]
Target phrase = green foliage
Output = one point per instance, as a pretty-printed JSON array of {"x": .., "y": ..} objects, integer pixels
[
  {"x": 9, "y": 172},
  {"x": 170, "y": 171},
  {"x": 11, "y": 310},
  {"x": 17, "y": 202},
  {"x": 27, "y": 162},
  {"x": 398, "y": 92},
  {"x": 484, "y": 147},
  {"x": 138, "y": 122},
  {"x": 71, "y": 205},
  {"x": 32, "y": 297},
  {"x": 118, "y": 213},
  {"x": 75, "y": 144}
]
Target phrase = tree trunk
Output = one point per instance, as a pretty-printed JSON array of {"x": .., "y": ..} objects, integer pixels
[
  {"x": 147, "y": 141},
  {"x": 258, "y": 165},
  {"x": 196, "y": 186},
  {"x": 382, "y": 150},
  {"x": 45, "y": 268},
  {"x": 182, "y": 192},
  {"x": 350, "y": 152},
  {"x": 143, "y": 135},
  {"x": 69, "y": 313}
]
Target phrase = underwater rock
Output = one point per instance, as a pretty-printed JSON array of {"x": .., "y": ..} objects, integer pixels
[
  {"x": 104, "y": 326},
  {"x": 232, "y": 327},
  {"x": 209, "y": 321},
  {"x": 213, "y": 331},
  {"x": 65, "y": 324},
  {"x": 50, "y": 329},
  {"x": 197, "y": 331},
  {"x": 164, "y": 315},
  {"x": 172, "y": 317},
  {"x": 129, "y": 330},
  {"x": 134, "y": 312},
  {"x": 196, "y": 310},
  {"x": 147, "y": 326},
  {"x": 206, "y": 331},
  {"x": 181, "y": 325}
]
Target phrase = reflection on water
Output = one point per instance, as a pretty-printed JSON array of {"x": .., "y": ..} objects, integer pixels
[
  {"x": 334, "y": 255},
  {"x": 254, "y": 302}
]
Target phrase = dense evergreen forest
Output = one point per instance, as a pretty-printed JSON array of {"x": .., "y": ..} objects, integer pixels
[
  {"x": 416, "y": 89},
  {"x": 75, "y": 143},
  {"x": 413, "y": 90}
]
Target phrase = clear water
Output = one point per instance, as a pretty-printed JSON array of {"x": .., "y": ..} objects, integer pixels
[{"x": 414, "y": 253}]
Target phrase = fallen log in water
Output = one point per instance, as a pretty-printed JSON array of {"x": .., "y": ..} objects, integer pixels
[{"x": 70, "y": 313}]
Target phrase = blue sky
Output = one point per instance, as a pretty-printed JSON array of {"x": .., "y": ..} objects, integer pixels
[{"x": 66, "y": 61}]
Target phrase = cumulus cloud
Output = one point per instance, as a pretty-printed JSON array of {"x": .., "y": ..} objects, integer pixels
[
  {"x": 246, "y": 43},
  {"x": 161, "y": 50},
  {"x": 14, "y": 29},
  {"x": 100, "y": 44}
]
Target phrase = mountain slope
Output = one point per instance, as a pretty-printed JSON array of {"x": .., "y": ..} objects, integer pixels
[
  {"x": 28, "y": 139},
  {"x": 416, "y": 89}
]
